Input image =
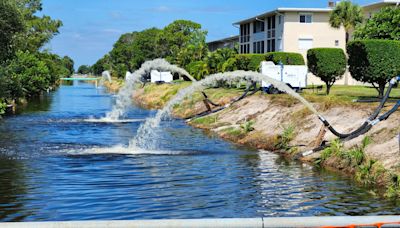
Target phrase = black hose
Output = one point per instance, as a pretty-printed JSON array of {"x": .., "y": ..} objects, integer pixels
[
  {"x": 245, "y": 94},
  {"x": 253, "y": 85},
  {"x": 361, "y": 129},
  {"x": 208, "y": 100},
  {"x": 390, "y": 112}
]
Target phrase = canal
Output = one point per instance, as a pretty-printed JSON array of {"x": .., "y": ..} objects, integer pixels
[{"x": 56, "y": 165}]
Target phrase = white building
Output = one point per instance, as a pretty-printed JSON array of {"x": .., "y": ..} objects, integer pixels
[{"x": 297, "y": 30}]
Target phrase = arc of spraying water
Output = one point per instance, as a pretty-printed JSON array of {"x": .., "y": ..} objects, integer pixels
[
  {"x": 146, "y": 134},
  {"x": 124, "y": 95}
]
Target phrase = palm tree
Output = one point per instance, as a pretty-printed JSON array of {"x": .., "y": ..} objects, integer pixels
[{"x": 347, "y": 14}]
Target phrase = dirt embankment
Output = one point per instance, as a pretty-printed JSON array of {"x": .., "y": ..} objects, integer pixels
[{"x": 282, "y": 124}]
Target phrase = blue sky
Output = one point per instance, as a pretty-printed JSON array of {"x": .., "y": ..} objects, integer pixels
[{"x": 92, "y": 26}]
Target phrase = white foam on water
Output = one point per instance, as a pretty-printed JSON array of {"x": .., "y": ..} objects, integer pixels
[
  {"x": 109, "y": 120},
  {"x": 122, "y": 150}
]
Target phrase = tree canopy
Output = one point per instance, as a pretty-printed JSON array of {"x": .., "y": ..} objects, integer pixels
[
  {"x": 11, "y": 24},
  {"x": 180, "y": 42},
  {"x": 346, "y": 14},
  {"x": 385, "y": 24},
  {"x": 26, "y": 70}
]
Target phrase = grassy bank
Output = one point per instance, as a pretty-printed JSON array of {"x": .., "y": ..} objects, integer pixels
[{"x": 280, "y": 123}]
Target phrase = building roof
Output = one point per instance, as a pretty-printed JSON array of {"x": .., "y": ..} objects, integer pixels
[
  {"x": 382, "y": 3},
  {"x": 281, "y": 10},
  {"x": 223, "y": 40}
]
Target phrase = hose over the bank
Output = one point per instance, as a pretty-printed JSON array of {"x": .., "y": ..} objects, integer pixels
[
  {"x": 367, "y": 125},
  {"x": 221, "y": 107}
]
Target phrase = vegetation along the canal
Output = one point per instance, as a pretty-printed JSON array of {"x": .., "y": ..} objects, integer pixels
[
  {"x": 224, "y": 91},
  {"x": 26, "y": 69}
]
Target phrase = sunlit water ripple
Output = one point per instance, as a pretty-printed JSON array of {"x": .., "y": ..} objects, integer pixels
[{"x": 55, "y": 165}]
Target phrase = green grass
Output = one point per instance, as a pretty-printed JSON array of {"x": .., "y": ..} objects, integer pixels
[
  {"x": 206, "y": 121},
  {"x": 349, "y": 93}
]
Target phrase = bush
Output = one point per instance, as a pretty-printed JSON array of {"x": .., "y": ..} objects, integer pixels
[
  {"x": 230, "y": 65},
  {"x": 287, "y": 58},
  {"x": 215, "y": 60},
  {"x": 329, "y": 64},
  {"x": 249, "y": 61},
  {"x": 198, "y": 69},
  {"x": 374, "y": 61}
]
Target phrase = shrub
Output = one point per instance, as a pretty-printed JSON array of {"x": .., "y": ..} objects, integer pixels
[
  {"x": 3, "y": 106},
  {"x": 329, "y": 64},
  {"x": 230, "y": 65},
  {"x": 374, "y": 61},
  {"x": 250, "y": 61},
  {"x": 287, "y": 58},
  {"x": 215, "y": 60},
  {"x": 198, "y": 69}
]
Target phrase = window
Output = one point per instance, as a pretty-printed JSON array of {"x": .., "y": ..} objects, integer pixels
[
  {"x": 305, "y": 44},
  {"x": 262, "y": 47},
  {"x": 271, "y": 25},
  {"x": 305, "y": 18},
  {"x": 258, "y": 26},
  {"x": 244, "y": 33},
  {"x": 280, "y": 19},
  {"x": 336, "y": 43}
]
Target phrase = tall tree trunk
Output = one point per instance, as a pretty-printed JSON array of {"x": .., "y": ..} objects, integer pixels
[
  {"x": 381, "y": 89},
  {"x": 328, "y": 88}
]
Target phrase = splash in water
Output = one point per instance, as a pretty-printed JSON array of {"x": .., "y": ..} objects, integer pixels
[
  {"x": 123, "y": 100},
  {"x": 147, "y": 132}
]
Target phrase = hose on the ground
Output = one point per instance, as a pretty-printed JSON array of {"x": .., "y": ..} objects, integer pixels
[
  {"x": 221, "y": 107},
  {"x": 365, "y": 126}
]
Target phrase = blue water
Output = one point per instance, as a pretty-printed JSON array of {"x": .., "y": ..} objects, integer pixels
[{"x": 46, "y": 172}]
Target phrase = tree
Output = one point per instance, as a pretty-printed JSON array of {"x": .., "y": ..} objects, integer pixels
[
  {"x": 11, "y": 23},
  {"x": 122, "y": 52},
  {"x": 145, "y": 47},
  {"x": 382, "y": 25},
  {"x": 177, "y": 36},
  {"x": 84, "y": 69},
  {"x": 68, "y": 63},
  {"x": 346, "y": 14},
  {"x": 374, "y": 61},
  {"x": 329, "y": 64},
  {"x": 24, "y": 76},
  {"x": 102, "y": 64},
  {"x": 38, "y": 30}
]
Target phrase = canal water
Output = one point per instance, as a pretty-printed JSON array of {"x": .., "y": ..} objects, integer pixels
[{"x": 53, "y": 166}]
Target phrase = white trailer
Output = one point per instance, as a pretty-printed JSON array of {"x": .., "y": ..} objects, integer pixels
[
  {"x": 293, "y": 76},
  {"x": 160, "y": 77}
]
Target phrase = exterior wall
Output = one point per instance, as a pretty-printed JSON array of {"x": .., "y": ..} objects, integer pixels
[
  {"x": 322, "y": 34},
  {"x": 226, "y": 43}
]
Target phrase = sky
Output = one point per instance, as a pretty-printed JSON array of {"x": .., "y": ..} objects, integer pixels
[{"x": 91, "y": 27}]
